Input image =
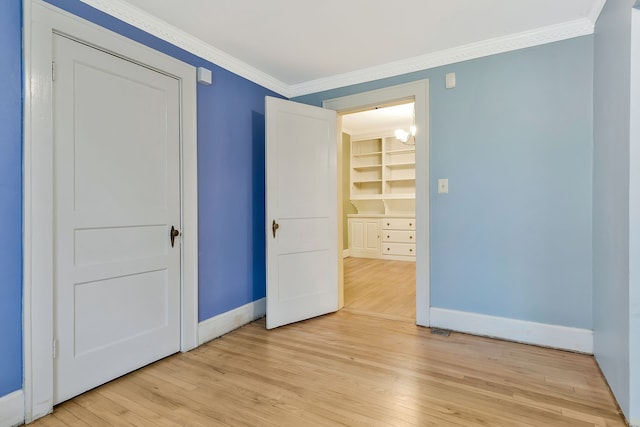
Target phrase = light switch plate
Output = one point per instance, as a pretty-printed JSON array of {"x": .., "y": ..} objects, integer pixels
[{"x": 443, "y": 186}]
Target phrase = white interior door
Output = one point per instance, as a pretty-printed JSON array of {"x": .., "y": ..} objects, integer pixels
[
  {"x": 302, "y": 202},
  {"x": 116, "y": 196}
]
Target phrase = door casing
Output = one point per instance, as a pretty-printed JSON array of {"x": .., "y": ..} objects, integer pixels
[
  {"x": 40, "y": 22},
  {"x": 419, "y": 92}
]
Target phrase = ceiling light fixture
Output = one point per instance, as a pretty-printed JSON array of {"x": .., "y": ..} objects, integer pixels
[
  {"x": 405, "y": 137},
  {"x": 408, "y": 138}
]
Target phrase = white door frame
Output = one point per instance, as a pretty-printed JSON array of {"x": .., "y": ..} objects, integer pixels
[
  {"x": 41, "y": 21},
  {"x": 419, "y": 92}
]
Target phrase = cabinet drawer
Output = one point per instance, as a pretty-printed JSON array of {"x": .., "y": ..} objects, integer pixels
[
  {"x": 407, "y": 249},
  {"x": 398, "y": 223},
  {"x": 399, "y": 236}
]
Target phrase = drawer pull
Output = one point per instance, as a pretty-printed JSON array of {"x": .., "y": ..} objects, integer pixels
[
  {"x": 388, "y": 224},
  {"x": 410, "y": 224},
  {"x": 388, "y": 237},
  {"x": 410, "y": 250},
  {"x": 388, "y": 249},
  {"x": 410, "y": 237}
]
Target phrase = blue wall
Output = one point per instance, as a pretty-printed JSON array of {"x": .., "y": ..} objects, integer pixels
[
  {"x": 612, "y": 77},
  {"x": 230, "y": 175},
  {"x": 230, "y": 183},
  {"x": 513, "y": 236},
  {"x": 10, "y": 197}
]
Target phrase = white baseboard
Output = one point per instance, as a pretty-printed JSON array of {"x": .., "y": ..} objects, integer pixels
[
  {"x": 346, "y": 253},
  {"x": 226, "y": 322},
  {"x": 360, "y": 253},
  {"x": 562, "y": 337},
  {"x": 12, "y": 409}
]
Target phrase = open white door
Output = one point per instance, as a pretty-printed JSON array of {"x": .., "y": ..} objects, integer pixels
[{"x": 302, "y": 212}]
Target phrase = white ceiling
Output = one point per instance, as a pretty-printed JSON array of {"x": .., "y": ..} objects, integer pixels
[{"x": 299, "y": 42}]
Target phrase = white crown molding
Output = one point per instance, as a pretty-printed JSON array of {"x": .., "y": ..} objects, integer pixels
[
  {"x": 347, "y": 130},
  {"x": 373, "y": 134},
  {"x": 550, "y": 34},
  {"x": 596, "y": 9},
  {"x": 167, "y": 32},
  {"x": 140, "y": 19}
]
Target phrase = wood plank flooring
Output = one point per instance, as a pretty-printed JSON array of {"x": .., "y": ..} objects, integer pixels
[
  {"x": 381, "y": 288},
  {"x": 352, "y": 369}
]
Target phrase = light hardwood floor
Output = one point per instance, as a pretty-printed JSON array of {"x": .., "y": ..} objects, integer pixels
[
  {"x": 352, "y": 369},
  {"x": 381, "y": 288}
]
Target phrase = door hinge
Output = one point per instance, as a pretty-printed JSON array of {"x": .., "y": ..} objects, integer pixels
[
  {"x": 53, "y": 71},
  {"x": 54, "y": 348}
]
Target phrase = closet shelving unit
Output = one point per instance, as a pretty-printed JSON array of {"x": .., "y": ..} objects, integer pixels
[
  {"x": 383, "y": 176},
  {"x": 383, "y": 190}
]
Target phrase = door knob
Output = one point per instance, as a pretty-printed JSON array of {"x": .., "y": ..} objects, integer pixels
[
  {"x": 274, "y": 228},
  {"x": 173, "y": 234}
]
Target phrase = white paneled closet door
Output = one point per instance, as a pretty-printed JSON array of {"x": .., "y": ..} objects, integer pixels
[{"x": 116, "y": 197}]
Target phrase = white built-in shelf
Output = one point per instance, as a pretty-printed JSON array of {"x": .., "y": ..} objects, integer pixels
[
  {"x": 402, "y": 151},
  {"x": 366, "y": 181},
  {"x": 367, "y": 167},
  {"x": 371, "y": 153},
  {"x": 401, "y": 165},
  {"x": 382, "y": 176},
  {"x": 400, "y": 196},
  {"x": 369, "y": 197},
  {"x": 399, "y": 179}
]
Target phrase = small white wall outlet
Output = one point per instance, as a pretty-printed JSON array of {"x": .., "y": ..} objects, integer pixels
[
  {"x": 450, "y": 80},
  {"x": 443, "y": 186}
]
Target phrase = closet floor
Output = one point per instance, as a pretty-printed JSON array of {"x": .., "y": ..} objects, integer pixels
[{"x": 381, "y": 288}]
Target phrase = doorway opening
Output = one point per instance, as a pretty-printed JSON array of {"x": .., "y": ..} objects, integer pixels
[
  {"x": 379, "y": 211},
  {"x": 418, "y": 93}
]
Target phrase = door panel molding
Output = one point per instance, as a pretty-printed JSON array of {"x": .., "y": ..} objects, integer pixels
[
  {"x": 41, "y": 21},
  {"x": 419, "y": 92}
]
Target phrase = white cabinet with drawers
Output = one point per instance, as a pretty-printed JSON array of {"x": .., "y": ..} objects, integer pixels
[
  {"x": 382, "y": 236},
  {"x": 399, "y": 238}
]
